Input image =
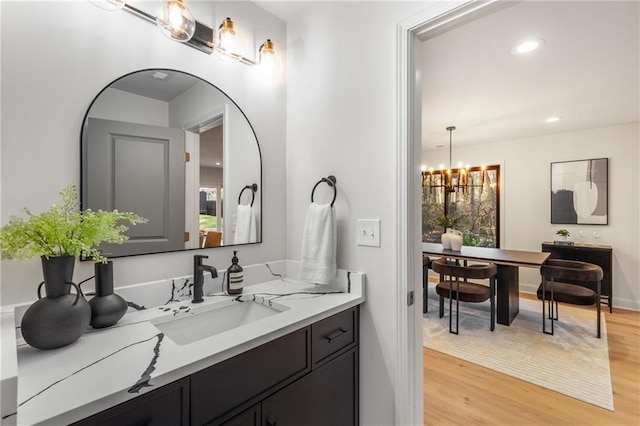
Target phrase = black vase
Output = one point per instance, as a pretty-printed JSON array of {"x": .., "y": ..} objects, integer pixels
[
  {"x": 60, "y": 318},
  {"x": 106, "y": 307}
]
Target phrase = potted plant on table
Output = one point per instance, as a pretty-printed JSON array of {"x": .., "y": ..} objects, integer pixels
[
  {"x": 452, "y": 237},
  {"x": 58, "y": 236}
]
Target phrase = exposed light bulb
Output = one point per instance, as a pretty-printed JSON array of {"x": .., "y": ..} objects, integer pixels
[
  {"x": 176, "y": 21},
  {"x": 229, "y": 43},
  {"x": 268, "y": 60}
]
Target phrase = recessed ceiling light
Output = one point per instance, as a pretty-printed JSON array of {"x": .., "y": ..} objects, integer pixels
[
  {"x": 553, "y": 119},
  {"x": 527, "y": 46}
]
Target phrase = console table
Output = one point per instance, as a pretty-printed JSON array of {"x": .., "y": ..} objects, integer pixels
[{"x": 601, "y": 255}]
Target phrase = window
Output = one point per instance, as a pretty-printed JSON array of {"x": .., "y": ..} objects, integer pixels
[{"x": 475, "y": 204}]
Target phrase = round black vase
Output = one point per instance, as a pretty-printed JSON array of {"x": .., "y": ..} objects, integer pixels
[
  {"x": 60, "y": 318},
  {"x": 106, "y": 307}
]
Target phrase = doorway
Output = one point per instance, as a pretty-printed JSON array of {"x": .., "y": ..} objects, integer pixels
[{"x": 409, "y": 384}]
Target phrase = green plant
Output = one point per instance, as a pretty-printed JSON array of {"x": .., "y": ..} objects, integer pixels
[
  {"x": 563, "y": 232},
  {"x": 449, "y": 221},
  {"x": 64, "y": 230}
]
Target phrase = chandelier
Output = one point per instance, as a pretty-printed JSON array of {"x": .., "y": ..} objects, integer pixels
[{"x": 451, "y": 180}]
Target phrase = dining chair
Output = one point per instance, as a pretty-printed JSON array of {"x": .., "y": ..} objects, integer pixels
[
  {"x": 454, "y": 284},
  {"x": 572, "y": 282},
  {"x": 214, "y": 239}
]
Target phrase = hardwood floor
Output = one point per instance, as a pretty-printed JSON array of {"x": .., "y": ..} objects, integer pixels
[{"x": 457, "y": 392}]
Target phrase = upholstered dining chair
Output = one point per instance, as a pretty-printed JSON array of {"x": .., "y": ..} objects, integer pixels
[
  {"x": 454, "y": 284},
  {"x": 568, "y": 281}
]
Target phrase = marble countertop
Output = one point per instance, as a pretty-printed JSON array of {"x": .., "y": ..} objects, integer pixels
[{"x": 108, "y": 366}]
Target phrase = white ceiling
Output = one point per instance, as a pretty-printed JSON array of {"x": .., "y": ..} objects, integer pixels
[
  {"x": 282, "y": 9},
  {"x": 587, "y": 72}
]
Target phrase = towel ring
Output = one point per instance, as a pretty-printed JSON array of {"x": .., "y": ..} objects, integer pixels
[
  {"x": 331, "y": 181},
  {"x": 253, "y": 188}
]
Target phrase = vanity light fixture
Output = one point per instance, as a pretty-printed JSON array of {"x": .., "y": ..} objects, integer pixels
[
  {"x": 176, "y": 22},
  {"x": 553, "y": 119},
  {"x": 109, "y": 5},
  {"x": 228, "y": 42},
  {"x": 268, "y": 60}
]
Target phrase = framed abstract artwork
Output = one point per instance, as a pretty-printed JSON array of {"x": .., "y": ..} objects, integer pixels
[{"x": 580, "y": 192}]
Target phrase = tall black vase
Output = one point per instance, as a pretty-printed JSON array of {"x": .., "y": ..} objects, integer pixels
[
  {"x": 106, "y": 307},
  {"x": 60, "y": 318}
]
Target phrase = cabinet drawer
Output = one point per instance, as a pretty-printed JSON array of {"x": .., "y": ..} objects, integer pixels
[
  {"x": 167, "y": 405},
  {"x": 224, "y": 389},
  {"x": 331, "y": 335}
]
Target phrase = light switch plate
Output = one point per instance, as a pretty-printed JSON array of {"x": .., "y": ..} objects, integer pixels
[{"x": 368, "y": 232}]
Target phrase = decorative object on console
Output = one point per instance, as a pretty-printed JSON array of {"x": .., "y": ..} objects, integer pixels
[
  {"x": 107, "y": 308},
  {"x": 318, "y": 256},
  {"x": 58, "y": 236},
  {"x": 579, "y": 192},
  {"x": 177, "y": 23},
  {"x": 564, "y": 235}
]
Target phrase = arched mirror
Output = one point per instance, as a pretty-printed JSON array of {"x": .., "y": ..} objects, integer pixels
[{"x": 176, "y": 150}]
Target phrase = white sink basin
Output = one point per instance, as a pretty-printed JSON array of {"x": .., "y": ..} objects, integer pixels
[{"x": 206, "y": 321}]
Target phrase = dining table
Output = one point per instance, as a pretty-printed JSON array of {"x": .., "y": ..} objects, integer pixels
[{"x": 508, "y": 263}]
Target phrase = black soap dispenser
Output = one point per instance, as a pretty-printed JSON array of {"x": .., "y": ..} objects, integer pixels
[{"x": 235, "y": 276}]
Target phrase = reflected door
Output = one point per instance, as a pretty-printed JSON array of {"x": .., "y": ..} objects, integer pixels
[{"x": 138, "y": 168}]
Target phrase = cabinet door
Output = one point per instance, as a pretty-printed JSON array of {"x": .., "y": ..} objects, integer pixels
[
  {"x": 326, "y": 396},
  {"x": 225, "y": 389},
  {"x": 559, "y": 252},
  {"x": 250, "y": 417},
  {"x": 168, "y": 405}
]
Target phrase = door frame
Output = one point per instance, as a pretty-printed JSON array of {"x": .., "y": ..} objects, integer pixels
[{"x": 434, "y": 19}]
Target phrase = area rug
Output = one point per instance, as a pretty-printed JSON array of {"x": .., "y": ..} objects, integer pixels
[{"x": 580, "y": 366}]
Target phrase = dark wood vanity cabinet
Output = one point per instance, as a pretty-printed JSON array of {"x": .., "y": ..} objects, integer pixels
[
  {"x": 168, "y": 405},
  {"x": 600, "y": 255},
  {"x": 307, "y": 377}
]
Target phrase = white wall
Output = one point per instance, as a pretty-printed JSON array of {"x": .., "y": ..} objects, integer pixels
[
  {"x": 526, "y": 187},
  {"x": 51, "y": 73},
  {"x": 341, "y": 120}
]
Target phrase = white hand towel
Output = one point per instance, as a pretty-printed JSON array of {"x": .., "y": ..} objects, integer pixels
[
  {"x": 318, "y": 259},
  {"x": 245, "y": 225}
]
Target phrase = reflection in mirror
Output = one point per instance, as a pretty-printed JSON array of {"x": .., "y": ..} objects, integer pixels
[{"x": 170, "y": 146}]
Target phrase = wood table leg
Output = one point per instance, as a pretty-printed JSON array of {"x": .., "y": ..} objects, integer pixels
[{"x": 508, "y": 298}]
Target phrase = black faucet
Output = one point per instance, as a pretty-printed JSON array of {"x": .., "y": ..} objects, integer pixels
[{"x": 198, "y": 276}]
